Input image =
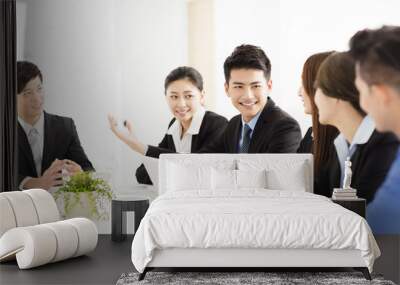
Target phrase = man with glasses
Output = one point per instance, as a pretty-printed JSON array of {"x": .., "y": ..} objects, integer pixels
[{"x": 48, "y": 145}]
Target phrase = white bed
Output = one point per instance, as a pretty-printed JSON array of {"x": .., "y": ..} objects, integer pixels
[{"x": 220, "y": 211}]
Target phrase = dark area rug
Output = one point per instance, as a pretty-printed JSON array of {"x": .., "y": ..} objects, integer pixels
[{"x": 229, "y": 278}]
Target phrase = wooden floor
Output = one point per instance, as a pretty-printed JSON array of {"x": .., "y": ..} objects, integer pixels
[
  {"x": 103, "y": 266},
  {"x": 388, "y": 264},
  {"x": 111, "y": 259}
]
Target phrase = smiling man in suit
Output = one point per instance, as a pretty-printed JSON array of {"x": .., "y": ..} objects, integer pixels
[
  {"x": 47, "y": 143},
  {"x": 261, "y": 126}
]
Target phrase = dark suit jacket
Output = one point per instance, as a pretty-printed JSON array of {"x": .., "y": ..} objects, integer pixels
[
  {"x": 211, "y": 128},
  {"x": 306, "y": 144},
  {"x": 60, "y": 141},
  {"x": 370, "y": 164},
  {"x": 275, "y": 132}
]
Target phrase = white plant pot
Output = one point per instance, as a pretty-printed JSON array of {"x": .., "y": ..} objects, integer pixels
[{"x": 83, "y": 207}]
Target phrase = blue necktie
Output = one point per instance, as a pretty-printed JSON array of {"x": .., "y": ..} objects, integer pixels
[{"x": 244, "y": 148}]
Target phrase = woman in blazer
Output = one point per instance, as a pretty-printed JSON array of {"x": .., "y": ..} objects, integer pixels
[
  {"x": 370, "y": 152},
  {"x": 319, "y": 138},
  {"x": 192, "y": 126}
]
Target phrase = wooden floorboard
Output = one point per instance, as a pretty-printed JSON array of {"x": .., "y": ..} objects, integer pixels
[
  {"x": 102, "y": 266},
  {"x": 111, "y": 259}
]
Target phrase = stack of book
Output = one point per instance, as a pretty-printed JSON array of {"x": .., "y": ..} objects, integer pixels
[{"x": 344, "y": 194}]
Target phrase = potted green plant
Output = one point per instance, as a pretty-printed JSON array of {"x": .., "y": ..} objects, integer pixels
[{"x": 84, "y": 194}]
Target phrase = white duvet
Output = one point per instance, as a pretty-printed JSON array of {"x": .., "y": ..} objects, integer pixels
[{"x": 250, "y": 219}]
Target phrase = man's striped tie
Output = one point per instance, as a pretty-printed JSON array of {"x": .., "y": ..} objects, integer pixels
[{"x": 244, "y": 148}]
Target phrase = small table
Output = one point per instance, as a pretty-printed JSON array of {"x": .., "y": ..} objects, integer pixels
[
  {"x": 119, "y": 207},
  {"x": 357, "y": 205}
]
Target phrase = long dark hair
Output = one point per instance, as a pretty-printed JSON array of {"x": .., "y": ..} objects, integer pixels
[{"x": 323, "y": 135}]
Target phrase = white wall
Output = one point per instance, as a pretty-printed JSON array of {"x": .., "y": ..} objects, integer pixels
[
  {"x": 290, "y": 31},
  {"x": 243, "y": 22},
  {"x": 101, "y": 56},
  {"x": 21, "y": 7},
  {"x": 152, "y": 40},
  {"x": 201, "y": 29}
]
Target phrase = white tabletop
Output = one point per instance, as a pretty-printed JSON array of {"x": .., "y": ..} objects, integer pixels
[{"x": 135, "y": 193}]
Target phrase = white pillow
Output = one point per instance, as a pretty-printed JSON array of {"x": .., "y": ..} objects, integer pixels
[
  {"x": 251, "y": 178},
  {"x": 223, "y": 179},
  {"x": 229, "y": 179},
  {"x": 292, "y": 179},
  {"x": 188, "y": 177}
]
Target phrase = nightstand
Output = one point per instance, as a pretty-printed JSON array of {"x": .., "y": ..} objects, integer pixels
[
  {"x": 358, "y": 205},
  {"x": 119, "y": 207}
]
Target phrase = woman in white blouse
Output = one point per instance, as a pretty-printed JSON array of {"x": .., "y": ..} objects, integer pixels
[{"x": 192, "y": 126}]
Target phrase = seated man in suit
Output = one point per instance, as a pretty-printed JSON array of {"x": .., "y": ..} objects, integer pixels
[
  {"x": 377, "y": 56},
  {"x": 261, "y": 126},
  {"x": 47, "y": 143}
]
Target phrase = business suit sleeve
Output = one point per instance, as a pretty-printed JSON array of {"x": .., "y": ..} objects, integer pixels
[
  {"x": 142, "y": 176},
  {"x": 375, "y": 168},
  {"x": 322, "y": 177},
  {"x": 20, "y": 178},
  {"x": 156, "y": 151},
  {"x": 75, "y": 151},
  {"x": 218, "y": 127},
  {"x": 306, "y": 144},
  {"x": 286, "y": 137},
  {"x": 215, "y": 137},
  {"x": 215, "y": 146}
]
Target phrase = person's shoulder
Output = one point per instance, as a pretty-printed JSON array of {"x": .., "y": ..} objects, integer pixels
[
  {"x": 56, "y": 117},
  {"x": 57, "y": 120},
  {"x": 308, "y": 136},
  {"x": 282, "y": 118},
  {"x": 273, "y": 113},
  {"x": 235, "y": 120},
  {"x": 212, "y": 116},
  {"x": 308, "y": 132},
  {"x": 59, "y": 124},
  {"x": 383, "y": 138},
  {"x": 384, "y": 145}
]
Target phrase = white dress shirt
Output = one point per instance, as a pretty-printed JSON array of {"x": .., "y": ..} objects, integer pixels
[
  {"x": 344, "y": 150},
  {"x": 184, "y": 144}
]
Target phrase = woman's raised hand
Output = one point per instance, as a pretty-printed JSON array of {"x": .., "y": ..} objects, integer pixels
[
  {"x": 119, "y": 132},
  {"x": 127, "y": 136}
]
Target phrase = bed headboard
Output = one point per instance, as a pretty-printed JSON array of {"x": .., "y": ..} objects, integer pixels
[{"x": 282, "y": 165}]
